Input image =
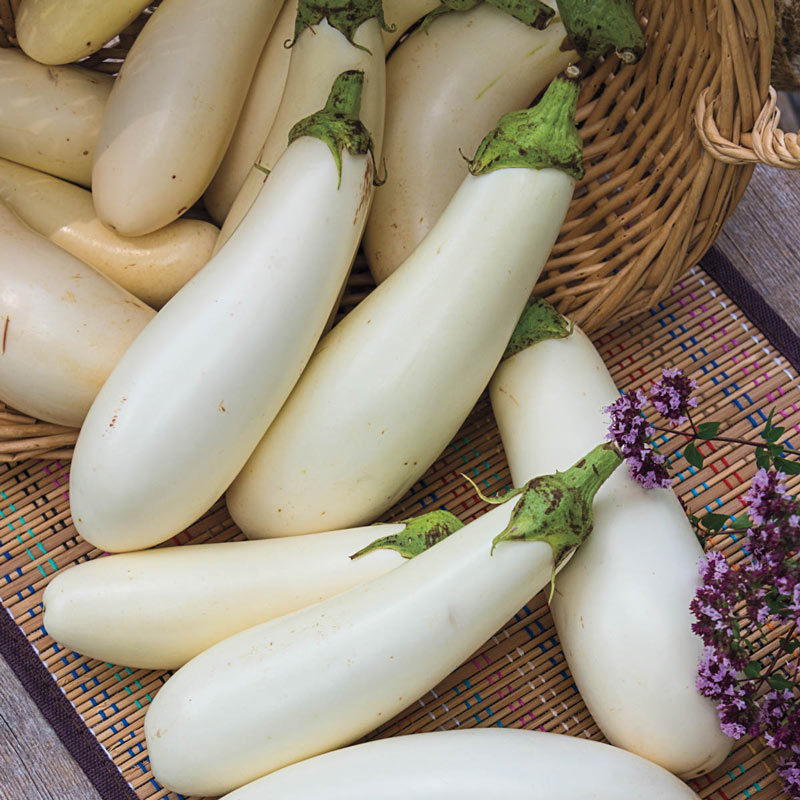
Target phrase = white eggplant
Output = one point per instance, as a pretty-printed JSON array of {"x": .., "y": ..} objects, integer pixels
[
  {"x": 51, "y": 115},
  {"x": 474, "y": 764},
  {"x": 158, "y": 608},
  {"x": 152, "y": 267},
  {"x": 323, "y": 47},
  {"x": 62, "y": 31},
  {"x": 400, "y": 15},
  {"x": 174, "y": 108},
  {"x": 621, "y": 607},
  {"x": 389, "y": 386},
  {"x": 441, "y": 101},
  {"x": 323, "y": 676},
  {"x": 257, "y": 117},
  {"x": 194, "y": 394},
  {"x": 63, "y": 326}
]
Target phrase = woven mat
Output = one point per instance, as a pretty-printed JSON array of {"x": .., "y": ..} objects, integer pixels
[{"x": 519, "y": 678}]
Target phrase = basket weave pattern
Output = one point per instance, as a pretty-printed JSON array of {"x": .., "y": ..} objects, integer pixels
[{"x": 653, "y": 199}]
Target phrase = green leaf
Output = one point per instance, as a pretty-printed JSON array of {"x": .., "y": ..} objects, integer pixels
[
  {"x": 708, "y": 430},
  {"x": 775, "y": 450},
  {"x": 768, "y": 423},
  {"x": 741, "y": 523},
  {"x": 773, "y": 434},
  {"x": 762, "y": 458},
  {"x": 693, "y": 456},
  {"x": 714, "y": 522},
  {"x": 793, "y": 645},
  {"x": 787, "y": 466},
  {"x": 779, "y": 682},
  {"x": 753, "y": 669}
]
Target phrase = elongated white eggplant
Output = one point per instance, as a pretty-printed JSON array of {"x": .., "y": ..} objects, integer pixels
[
  {"x": 158, "y": 608},
  {"x": 62, "y": 31},
  {"x": 621, "y": 607},
  {"x": 441, "y": 99},
  {"x": 389, "y": 386},
  {"x": 173, "y": 109},
  {"x": 330, "y": 37},
  {"x": 323, "y": 676},
  {"x": 63, "y": 326},
  {"x": 257, "y": 117},
  {"x": 476, "y": 764},
  {"x": 51, "y": 115},
  {"x": 152, "y": 267},
  {"x": 187, "y": 405}
]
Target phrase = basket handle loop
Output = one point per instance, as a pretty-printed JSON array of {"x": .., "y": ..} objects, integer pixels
[{"x": 766, "y": 144}]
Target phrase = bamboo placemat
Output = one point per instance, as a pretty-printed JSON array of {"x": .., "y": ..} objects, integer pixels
[{"x": 519, "y": 678}]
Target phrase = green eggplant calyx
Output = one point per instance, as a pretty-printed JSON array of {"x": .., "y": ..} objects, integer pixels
[
  {"x": 346, "y": 16},
  {"x": 557, "y": 508},
  {"x": 595, "y": 27},
  {"x": 540, "y": 137},
  {"x": 338, "y": 124},
  {"x": 420, "y": 534},
  {"x": 538, "y": 322}
]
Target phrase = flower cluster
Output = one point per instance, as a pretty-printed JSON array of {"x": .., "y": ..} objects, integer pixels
[
  {"x": 757, "y": 693},
  {"x": 672, "y": 396},
  {"x": 633, "y": 435},
  {"x": 753, "y": 679}
]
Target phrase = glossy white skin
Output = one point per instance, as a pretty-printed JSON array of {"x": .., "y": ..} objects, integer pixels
[
  {"x": 390, "y": 385},
  {"x": 63, "y": 326},
  {"x": 158, "y": 608},
  {"x": 319, "y": 55},
  {"x": 442, "y": 99},
  {"x": 402, "y": 14},
  {"x": 471, "y": 764},
  {"x": 621, "y": 606},
  {"x": 174, "y": 108},
  {"x": 51, "y": 115},
  {"x": 62, "y": 31},
  {"x": 324, "y": 676},
  {"x": 194, "y": 394},
  {"x": 258, "y": 115},
  {"x": 152, "y": 267}
]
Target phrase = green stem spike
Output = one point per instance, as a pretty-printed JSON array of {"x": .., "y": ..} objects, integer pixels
[
  {"x": 344, "y": 15},
  {"x": 537, "y": 138},
  {"x": 532, "y": 13},
  {"x": 419, "y": 534},
  {"x": 557, "y": 509},
  {"x": 337, "y": 124},
  {"x": 596, "y": 26},
  {"x": 538, "y": 322}
]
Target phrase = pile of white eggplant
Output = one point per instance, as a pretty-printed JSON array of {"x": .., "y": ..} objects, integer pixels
[{"x": 285, "y": 117}]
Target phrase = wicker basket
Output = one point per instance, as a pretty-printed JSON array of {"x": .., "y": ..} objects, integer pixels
[{"x": 654, "y": 197}]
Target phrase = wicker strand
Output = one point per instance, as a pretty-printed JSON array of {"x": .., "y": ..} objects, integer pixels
[{"x": 767, "y": 144}]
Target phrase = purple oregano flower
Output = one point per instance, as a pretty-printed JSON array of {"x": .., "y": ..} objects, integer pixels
[
  {"x": 633, "y": 435},
  {"x": 756, "y": 694},
  {"x": 672, "y": 396}
]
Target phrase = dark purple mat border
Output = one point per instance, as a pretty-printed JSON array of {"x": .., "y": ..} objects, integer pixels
[
  {"x": 60, "y": 713},
  {"x": 81, "y": 743},
  {"x": 753, "y": 305}
]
